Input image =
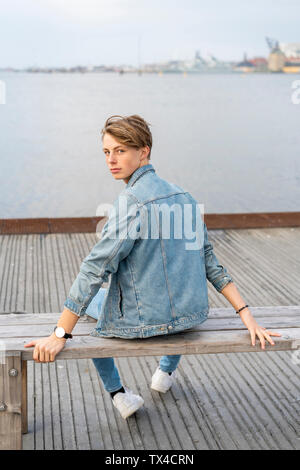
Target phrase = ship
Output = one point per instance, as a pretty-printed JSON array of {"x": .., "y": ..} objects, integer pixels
[
  {"x": 245, "y": 66},
  {"x": 292, "y": 54},
  {"x": 291, "y": 65},
  {"x": 197, "y": 65}
]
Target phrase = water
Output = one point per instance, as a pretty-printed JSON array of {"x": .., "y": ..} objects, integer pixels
[{"x": 233, "y": 141}]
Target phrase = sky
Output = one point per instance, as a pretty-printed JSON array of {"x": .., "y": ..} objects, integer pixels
[{"x": 59, "y": 33}]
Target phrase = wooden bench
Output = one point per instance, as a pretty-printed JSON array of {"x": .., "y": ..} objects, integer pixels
[{"x": 223, "y": 332}]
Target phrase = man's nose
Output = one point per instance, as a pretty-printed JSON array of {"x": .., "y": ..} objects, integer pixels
[{"x": 111, "y": 157}]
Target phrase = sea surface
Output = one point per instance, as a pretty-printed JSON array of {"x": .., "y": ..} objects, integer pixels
[{"x": 232, "y": 140}]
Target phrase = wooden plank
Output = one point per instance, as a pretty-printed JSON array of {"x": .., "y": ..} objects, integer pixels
[
  {"x": 37, "y": 331},
  {"x": 252, "y": 220},
  {"x": 34, "y": 225},
  {"x": 24, "y": 398},
  {"x": 39, "y": 406},
  {"x": 36, "y": 319},
  {"x": 10, "y": 400},
  {"x": 219, "y": 313},
  {"x": 108, "y": 433},
  {"x": 51, "y": 225},
  {"x": 91, "y": 413},
  {"x": 65, "y": 411},
  {"x": 78, "y": 409},
  {"x": 188, "y": 342},
  {"x": 257, "y": 312},
  {"x": 58, "y": 405},
  {"x": 89, "y": 224},
  {"x": 214, "y": 324},
  {"x": 75, "y": 224}
]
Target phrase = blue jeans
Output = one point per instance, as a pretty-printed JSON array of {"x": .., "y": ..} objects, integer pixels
[{"x": 105, "y": 366}]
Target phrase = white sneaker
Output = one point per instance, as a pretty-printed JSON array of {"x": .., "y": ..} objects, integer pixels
[
  {"x": 162, "y": 381},
  {"x": 127, "y": 403}
]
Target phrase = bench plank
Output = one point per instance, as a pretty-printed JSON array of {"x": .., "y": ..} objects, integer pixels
[
  {"x": 223, "y": 312},
  {"x": 225, "y": 333},
  {"x": 84, "y": 328},
  {"x": 189, "y": 342}
]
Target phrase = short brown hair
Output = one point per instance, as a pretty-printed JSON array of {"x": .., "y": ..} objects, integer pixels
[{"x": 129, "y": 130}]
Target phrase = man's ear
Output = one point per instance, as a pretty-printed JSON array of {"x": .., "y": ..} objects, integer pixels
[{"x": 145, "y": 152}]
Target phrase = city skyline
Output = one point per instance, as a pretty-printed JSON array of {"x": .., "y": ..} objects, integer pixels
[{"x": 52, "y": 33}]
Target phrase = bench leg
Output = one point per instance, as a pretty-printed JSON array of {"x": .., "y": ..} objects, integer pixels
[
  {"x": 11, "y": 401},
  {"x": 24, "y": 398}
]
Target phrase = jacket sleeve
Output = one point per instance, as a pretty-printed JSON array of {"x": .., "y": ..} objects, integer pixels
[
  {"x": 117, "y": 240},
  {"x": 215, "y": 272}
]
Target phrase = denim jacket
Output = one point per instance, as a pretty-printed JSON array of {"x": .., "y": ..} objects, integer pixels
[{"x": 157, "y": 270}]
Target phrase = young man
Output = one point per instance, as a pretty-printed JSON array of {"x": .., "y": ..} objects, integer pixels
[{"x": 157, "y": 270}]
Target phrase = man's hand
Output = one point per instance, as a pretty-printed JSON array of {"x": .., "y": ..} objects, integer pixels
[
  {"x": 256, "y": 330},
  {"x": 46, "y": 348}
]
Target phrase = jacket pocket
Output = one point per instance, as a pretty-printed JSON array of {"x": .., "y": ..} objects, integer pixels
[{"x": 120, "y": 301}]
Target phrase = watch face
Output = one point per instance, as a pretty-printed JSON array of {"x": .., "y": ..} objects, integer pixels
[{"x": 60, "y": 332}]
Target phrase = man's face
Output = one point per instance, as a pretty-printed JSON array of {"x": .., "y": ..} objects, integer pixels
[{"x": 123, "y": 158}]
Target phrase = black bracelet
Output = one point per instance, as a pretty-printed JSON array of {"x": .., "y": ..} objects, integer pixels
[{"x": 245, "y": 306}]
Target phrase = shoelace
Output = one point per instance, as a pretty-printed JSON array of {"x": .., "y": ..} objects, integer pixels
[{"x": 128, "y": 395}]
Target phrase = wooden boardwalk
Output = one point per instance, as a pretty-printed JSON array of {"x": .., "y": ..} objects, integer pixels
[{"x": 219, "y": 401}]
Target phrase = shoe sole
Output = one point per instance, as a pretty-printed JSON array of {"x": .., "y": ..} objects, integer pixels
[{"x": 158, "y": 389}]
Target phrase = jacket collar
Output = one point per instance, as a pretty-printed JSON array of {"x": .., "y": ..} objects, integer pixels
[{"x": 138, "y": 173}]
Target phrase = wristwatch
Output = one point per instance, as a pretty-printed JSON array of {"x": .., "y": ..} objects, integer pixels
[{"x": 59, "y": 332}]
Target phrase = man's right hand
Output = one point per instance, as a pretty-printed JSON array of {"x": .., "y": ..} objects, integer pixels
[{"x": 45, "y": 349}]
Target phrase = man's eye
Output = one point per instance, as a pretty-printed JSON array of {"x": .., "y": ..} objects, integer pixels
[{"x": 120, "y": 150}]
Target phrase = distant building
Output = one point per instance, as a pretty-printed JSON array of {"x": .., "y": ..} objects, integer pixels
[
  {"x": 284, "y": 57},
  {"x": 260, "y": 64},
  {"x": 258, "y": 61},
  {"x": 290, "y": 49},
  {"x": 276, "y": 61}
]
